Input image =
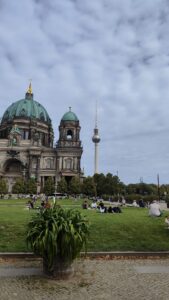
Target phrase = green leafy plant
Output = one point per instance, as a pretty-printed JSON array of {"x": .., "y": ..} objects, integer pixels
[{"x": 57, "y": 235}]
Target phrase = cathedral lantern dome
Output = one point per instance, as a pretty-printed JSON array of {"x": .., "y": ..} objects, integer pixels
[
  {"x": 26, "y": 108},
  {"x": 69, "y": 116}
]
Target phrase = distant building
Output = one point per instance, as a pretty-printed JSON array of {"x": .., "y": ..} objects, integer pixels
[{"x": 26, "y": 144}]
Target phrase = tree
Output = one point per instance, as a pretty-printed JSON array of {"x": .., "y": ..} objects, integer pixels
[
  {"x": 57, "y": 235},
  {"x": 3, "y": 186},
  {"x": 111, "y": 186},
  {"x": 75, "y": 186},
  {"x": 108, "y": 185},
  {"x": 88, "y": 186},
  {"x": 141, "y": 189},
  {"x": 19, "y": 186},
  {"x": 99, "y": 181},
  {"x": 31, "y": 186},
  {"x": 49, "y": 186},
  {"x": 62, "y": 186}
]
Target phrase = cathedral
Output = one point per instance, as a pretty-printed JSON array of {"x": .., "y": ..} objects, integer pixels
[{"x": 27, "y": 148}]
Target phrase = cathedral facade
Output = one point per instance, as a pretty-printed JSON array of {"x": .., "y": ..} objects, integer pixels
[{"x": 27, "y": 148}]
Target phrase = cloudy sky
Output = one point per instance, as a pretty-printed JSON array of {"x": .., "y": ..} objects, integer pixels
[{"x": 115, "y": 52}]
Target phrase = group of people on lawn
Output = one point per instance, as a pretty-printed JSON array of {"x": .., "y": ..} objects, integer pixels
[
  {"x": 101, "y": 207},
  {"x": 44, "y": 202},
  {"x": 154, "y": 208}
]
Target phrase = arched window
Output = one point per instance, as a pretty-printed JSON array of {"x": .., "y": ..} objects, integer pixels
[
  {"x": 69, "y": 134},
  {"x": 68, "y": 163},
  {"x": 48, "y": 163}
]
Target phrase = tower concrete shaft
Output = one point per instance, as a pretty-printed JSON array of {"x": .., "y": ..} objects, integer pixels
[
  {"x": 96, "y": 158},
  {"x": 96, "y": 140}
]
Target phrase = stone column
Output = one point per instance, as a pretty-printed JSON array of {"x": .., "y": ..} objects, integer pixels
[{"x": 38, "y": 169}]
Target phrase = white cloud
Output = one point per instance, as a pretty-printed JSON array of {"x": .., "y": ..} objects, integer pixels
[{"x": 77, "y": 52}]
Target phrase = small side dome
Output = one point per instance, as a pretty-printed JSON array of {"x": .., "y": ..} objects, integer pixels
[{"x": 70, "y": 116}]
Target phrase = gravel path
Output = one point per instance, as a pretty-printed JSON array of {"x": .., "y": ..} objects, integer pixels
[{"x": 97, "y": 279}]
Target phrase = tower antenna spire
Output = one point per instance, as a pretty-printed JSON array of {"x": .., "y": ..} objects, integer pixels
[{"x": 96, "y": 116}]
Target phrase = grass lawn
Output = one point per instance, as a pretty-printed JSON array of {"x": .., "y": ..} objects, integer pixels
[{"x": 131, "y": 230}]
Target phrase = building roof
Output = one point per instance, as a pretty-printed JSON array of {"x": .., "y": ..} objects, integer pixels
[
  {"x": 70, "y": 116},
  {"x": 28, "y": 108}
]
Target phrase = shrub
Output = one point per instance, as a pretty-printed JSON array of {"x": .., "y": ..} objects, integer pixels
[{"x": 57, "y": 235}]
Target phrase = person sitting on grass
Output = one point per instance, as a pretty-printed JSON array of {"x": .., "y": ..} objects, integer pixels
[
  {"x": 116, "y": 209},
  {"x": 85, "y": 204},
  {"x": 141, "y": 203},
  {"x": 154, "y": 209},
  {"x": 135, "y": 204},
  {"x": 109, "y": 210},
  {"x": 102, "y": 208},
  {"x": 94, "y": 204}
]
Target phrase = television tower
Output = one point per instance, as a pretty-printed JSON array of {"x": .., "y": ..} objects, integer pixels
[{"x": 96, "y": 140}]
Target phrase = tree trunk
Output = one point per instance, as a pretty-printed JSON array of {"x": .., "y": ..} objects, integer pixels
[{"x": 60, "y": 269}]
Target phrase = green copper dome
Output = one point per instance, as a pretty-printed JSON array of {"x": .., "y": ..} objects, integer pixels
[
  {"x": 69, "y": 116},
  {"x": 27, "y": 108}
]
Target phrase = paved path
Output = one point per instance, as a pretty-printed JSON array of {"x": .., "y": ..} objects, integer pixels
[{"x": 98, "y": 279}]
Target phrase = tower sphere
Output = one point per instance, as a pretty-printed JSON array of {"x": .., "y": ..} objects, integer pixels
[{"x": 96, "y": 137}]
